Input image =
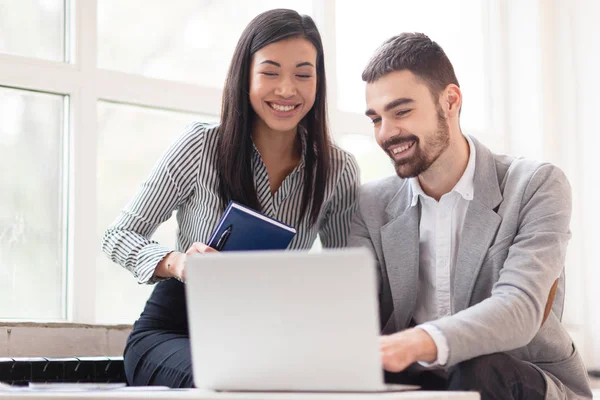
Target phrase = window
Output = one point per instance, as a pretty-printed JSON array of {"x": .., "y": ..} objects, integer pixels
[
  {"x": 109, "y": 99},
  {"x": 187, "y": 41},
  {"x": 32, "y": 204},
  {"x": 33, "y": 28}
]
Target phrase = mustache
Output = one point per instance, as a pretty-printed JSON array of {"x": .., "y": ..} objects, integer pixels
[{"x": 398, "y": 140}]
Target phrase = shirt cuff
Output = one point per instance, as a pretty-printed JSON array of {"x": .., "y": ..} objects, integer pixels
[
  {"x": 147, "y": 260},
  {"x": 440, "y": 342}
]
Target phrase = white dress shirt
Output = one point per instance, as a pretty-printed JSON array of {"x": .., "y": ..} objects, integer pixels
[{"x": 439, "y": 236}]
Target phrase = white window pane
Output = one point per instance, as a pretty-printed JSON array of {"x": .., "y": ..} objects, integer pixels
[
  {"x": 32, "y": 240},
  {"x": 131, "y": 140},
  {"x": 374, "y": 163},
  {"x": 187, "y": 40},
  {"x": 456, "y": 26},
  {"x": 33, "y": 28}
]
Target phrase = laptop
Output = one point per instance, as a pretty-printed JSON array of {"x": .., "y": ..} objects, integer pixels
[{"x": 285, "y": 321}]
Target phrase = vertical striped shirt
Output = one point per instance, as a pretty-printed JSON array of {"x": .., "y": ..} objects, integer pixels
[{"x": 185, "y": 180}]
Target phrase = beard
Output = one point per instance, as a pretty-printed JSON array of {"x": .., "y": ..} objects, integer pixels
[{"x": 424, "y": 154}]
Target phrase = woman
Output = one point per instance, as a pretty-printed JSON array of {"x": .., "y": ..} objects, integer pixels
[{"x": 271, "y": 152}]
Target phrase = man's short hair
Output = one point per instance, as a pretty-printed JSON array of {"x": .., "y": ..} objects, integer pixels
[{"x": 414, "y": 52}]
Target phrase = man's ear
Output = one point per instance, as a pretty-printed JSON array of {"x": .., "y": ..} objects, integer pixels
[{"x": 452, "y": 100}]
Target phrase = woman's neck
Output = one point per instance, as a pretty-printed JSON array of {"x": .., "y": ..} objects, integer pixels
[
  {"x": 280, "y": 152},
  {"x": 276, "y": 146}
]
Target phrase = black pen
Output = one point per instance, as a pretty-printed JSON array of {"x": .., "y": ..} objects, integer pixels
[{"x": 223, "y": 239}]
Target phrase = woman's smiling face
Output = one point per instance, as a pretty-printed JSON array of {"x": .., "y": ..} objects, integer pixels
[{"x": 283, "y": 83}]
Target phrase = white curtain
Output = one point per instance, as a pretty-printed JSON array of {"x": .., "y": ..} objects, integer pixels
[
  {"x": 545, "y": 80},
  {"x": 583, "y": 83}
]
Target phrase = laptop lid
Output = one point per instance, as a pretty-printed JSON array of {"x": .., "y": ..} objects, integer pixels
[{"x": 284, "y": 320}]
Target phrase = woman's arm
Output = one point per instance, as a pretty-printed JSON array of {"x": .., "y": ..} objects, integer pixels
[{"x": 127, "y": 241}]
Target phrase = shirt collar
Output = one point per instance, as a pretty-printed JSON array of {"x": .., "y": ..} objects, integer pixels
[
  {"x": 464, "y": 187},
  {"x": 416, "y": 190}
]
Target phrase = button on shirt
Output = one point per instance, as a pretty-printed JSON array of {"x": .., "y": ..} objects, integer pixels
[{"x": 439, "y": 237}]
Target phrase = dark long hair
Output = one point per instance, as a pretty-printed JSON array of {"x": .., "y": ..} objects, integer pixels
[{"x": 235, "y": 142}]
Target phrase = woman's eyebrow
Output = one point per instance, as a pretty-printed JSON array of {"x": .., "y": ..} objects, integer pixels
[
  {"x": 275, "y": 63},
  {"x": 271, "y": 62}
]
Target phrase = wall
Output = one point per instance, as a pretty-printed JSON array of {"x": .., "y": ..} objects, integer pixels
[{"x": 62, "y": 340}]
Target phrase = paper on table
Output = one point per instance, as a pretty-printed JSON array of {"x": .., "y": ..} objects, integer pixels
[
  {"x": 143, "y": 388},
  {"x": 73, "y": 387},
  {"x": 77, "y": 387}
]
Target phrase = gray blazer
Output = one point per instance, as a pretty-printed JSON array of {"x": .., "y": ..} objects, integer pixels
[{"x": 512, "y": 249}]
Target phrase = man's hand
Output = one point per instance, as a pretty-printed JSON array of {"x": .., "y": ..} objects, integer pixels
[{"x": 402, "y": 349}]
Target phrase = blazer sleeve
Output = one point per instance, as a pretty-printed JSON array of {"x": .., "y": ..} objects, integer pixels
[
  {"x": 512, "y": 315},
  {"x": 360, "y": 235}
]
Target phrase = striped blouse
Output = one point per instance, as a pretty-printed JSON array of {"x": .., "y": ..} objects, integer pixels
[{"x": 185, "y": 180}]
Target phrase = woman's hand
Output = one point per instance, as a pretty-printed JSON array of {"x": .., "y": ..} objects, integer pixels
[{"x": 173, "y": 265}]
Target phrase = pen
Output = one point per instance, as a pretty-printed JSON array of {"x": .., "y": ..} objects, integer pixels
[{"x": 223, "y": 239}]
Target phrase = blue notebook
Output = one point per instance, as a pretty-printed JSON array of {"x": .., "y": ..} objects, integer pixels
[{"x": 241, "y": 228}]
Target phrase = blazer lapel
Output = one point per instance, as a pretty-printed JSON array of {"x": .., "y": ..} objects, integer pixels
[
  {"x": 480, "y": 227},
  {"x": 400, "y": 241}
]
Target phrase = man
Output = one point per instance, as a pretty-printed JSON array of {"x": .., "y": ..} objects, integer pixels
[{"x": 468, "y": 243}]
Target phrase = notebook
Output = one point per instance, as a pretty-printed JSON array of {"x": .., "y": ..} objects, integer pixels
[{"x": 243, "y": 229}]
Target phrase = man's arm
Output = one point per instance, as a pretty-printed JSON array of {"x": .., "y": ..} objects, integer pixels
[{"x": 519, "y": 297}]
